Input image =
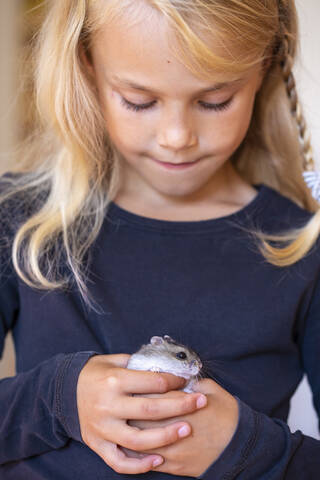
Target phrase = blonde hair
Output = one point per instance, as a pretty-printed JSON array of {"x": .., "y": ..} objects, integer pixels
[{"x": 68, "y": 172}]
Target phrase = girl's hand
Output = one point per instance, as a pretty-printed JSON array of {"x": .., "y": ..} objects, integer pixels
[
  {"x": 105, "y": 402},
  {"x": 212, "y": 430}
]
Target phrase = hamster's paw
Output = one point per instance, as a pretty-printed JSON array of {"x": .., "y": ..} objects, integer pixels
[
  {"x": 154, "y": 369},
  {"x": 188, "y": 390}
]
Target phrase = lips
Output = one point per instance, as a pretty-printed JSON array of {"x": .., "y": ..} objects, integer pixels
[
  {"x": 178, "y": 163},
  {"x": 182, "y": 163},
  {"x": 176, "y": 166}
]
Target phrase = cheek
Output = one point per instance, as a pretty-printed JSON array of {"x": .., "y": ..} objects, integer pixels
[
  {"x": 233, "y": 125},
  {"x": 125, "y": 131}
]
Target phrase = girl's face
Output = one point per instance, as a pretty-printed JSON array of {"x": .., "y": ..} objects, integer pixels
[{"x": 156, "y": 111}]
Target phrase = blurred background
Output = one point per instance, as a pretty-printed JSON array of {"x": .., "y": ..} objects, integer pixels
[{"x": 19, "y": 20}]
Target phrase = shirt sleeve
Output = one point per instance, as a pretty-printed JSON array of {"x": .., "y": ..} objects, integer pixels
[
  {"x": 38, "y": 408},
  {"x": 264, "y": 447}
]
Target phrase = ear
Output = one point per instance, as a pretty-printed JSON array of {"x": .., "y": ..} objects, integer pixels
[
  {"x": 263, "y": 72},
  {"x": 87, "y": 62},
  {"x": 156, "y": 340},
  {"x": 169, "y": 339}
]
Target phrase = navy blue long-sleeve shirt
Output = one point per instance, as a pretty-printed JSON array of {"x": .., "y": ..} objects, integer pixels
[{"x": 256, "y": 327}]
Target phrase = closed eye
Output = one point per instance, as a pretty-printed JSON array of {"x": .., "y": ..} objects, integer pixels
[{"x": 204, "y": 105}]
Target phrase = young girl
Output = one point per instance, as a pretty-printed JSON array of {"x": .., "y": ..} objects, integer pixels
[{"x": 162, "y": 193}]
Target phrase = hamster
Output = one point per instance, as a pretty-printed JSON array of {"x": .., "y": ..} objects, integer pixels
[{"x": 163, "y": 354}]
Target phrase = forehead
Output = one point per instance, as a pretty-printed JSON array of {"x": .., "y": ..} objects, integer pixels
[{"x": 145, "y": 49}]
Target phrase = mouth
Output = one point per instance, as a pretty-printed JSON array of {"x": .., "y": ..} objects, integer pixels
[{"x": 177, "y": 166}]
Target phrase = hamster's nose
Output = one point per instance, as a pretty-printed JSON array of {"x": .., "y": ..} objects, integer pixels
[{"x": 196, "y": 363}]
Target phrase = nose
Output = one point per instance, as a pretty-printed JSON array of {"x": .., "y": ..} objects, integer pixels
[
  {"x": 176, "y": 131},
  {"x": 196, "y": 362}
]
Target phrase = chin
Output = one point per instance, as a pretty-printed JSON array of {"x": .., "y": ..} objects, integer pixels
[{"x": 179, "y": 191}]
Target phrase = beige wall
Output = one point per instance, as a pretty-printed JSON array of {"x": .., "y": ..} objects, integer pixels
[
  {"x": 308, "y": 68},
  {"x": 8, "y": 82},
  {"x": 302, "y": 415},
  {"x": 308, "y": 73}
]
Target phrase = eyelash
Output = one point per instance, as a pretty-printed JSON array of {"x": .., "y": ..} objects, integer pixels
[{"x": 217, "y": 107}]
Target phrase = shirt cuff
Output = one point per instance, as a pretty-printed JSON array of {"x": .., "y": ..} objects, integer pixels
[
  {"x": 232, "y": 459},
  {"x": 66, "y": 392}
]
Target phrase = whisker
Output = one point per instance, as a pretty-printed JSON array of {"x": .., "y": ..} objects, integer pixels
[{"x": 215, "y": 361}]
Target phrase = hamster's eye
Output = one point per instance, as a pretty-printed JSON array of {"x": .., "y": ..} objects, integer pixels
[{"x": 181, "y": 355}]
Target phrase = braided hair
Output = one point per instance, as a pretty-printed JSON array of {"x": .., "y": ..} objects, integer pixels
[
  {"x": 291, "y": 245},
  {"x": 296, "y": 108}
]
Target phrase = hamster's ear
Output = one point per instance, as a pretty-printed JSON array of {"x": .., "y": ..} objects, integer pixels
[
  {"x": 156, "y": 340},
  {"x": 169, "y": 339}
]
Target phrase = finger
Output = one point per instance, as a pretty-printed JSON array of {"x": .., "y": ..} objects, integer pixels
[
  {"x": 151, "y": 438},
  {"x": 135, "y": 381},
  {"x": 133, "y": 453},
  {"x": 120, "y": 463},
  {"x": 117, "y": 360},
  {"x": 141, "y": 408}
]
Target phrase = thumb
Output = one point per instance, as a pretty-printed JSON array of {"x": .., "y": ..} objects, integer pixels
[{"x": 205, "y": 386}]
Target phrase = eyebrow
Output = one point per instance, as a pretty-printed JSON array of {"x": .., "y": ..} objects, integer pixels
[{"x": 218, "y": 86}]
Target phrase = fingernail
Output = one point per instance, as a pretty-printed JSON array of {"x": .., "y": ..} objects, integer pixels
[
  {"x": 184, "y": 431},
  {"x": 157, "y": 462},
  {"x": 201, "y": 401}
]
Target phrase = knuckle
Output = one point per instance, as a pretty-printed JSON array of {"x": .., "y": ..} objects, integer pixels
[
  {"x": 134, "y": 442},
  {"x": 187, "y": 404},
  {"x": 162, "y": 383},
  {"x": 112, "y": 382},
  {"x": 149, "y": 408},
  {"x": 191, "y": 402},
  {"x": 169, "y": 435}
]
